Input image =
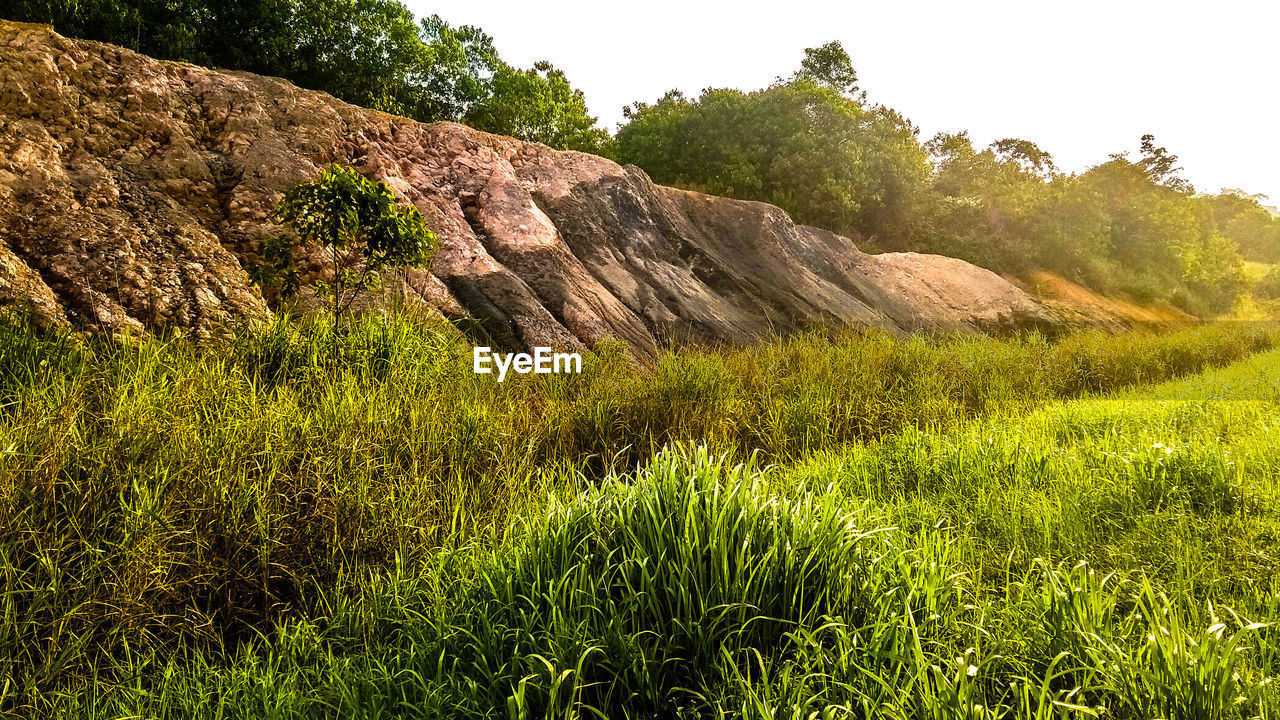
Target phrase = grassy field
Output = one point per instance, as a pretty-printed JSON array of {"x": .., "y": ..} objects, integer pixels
[{"x": 309, "y": 522}]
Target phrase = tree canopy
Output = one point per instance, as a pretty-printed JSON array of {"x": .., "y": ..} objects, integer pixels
[
  {"x": 372, "y": 53},
  {"x": 831, "y": 67},
  {"x": 826, "y": 158},
  {"x": 812, "y": 144},
  {"x": 1133, "y": 226},
  {"x": 538, "y": 104}
]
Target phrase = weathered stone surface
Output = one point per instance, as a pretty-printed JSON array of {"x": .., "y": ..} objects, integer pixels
[{"x": 132, "y": 191}]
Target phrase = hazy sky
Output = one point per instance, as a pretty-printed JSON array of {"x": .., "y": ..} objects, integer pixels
[{"x": 1081, "y": 79}]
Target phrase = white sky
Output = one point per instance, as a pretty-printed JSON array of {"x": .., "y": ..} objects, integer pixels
[{"x": 1081, "y": 79}]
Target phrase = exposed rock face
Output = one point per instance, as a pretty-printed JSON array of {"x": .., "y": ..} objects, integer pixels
[{"x": 131, "y": 190}]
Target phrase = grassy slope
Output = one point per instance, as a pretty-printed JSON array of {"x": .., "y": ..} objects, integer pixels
[
  {"x": 928, "y": 567},
  {"x": 1114, "y": 553}
]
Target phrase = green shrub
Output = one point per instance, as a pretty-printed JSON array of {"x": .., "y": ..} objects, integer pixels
[{"x": 357, "y": 223}]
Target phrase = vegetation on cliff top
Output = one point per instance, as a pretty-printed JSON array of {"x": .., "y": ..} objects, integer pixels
[
  {"x": 814, "y": 146},
  {"x": 811, "y": 143},
  {"x": 372, "y": 53}
]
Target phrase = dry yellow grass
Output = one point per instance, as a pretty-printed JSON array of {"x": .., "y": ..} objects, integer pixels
[{"x": 1079, "y": 302}]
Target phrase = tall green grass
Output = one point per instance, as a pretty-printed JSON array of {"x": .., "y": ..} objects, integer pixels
[
  {"x": 324, "y": 520},
  {"x": 702, "y": 590}
]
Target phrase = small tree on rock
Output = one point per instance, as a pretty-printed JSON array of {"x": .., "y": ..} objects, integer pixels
[{"x": 358, "y": 222}]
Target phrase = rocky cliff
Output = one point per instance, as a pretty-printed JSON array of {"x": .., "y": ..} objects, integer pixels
[{"x": 133, "y": 191}]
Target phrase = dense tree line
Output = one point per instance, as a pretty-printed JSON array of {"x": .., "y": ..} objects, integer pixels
[
  {"x": 368, "y": 52},
  {"x": 825, "y": 158},
  {"x": 1134, "y": 226},
  {"x": 812, "y": 144}
]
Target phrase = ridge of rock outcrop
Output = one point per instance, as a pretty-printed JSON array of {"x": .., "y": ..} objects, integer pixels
[{"x": 132, "y": 192}]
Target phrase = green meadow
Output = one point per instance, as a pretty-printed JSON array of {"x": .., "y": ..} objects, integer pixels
[{"x": 309, "y": 521}]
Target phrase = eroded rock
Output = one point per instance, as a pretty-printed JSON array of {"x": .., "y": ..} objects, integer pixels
[{"x": 132, "y": 191}]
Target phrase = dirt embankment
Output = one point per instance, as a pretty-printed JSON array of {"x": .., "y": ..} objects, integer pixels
[{"x": 1079, "y": 305}]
